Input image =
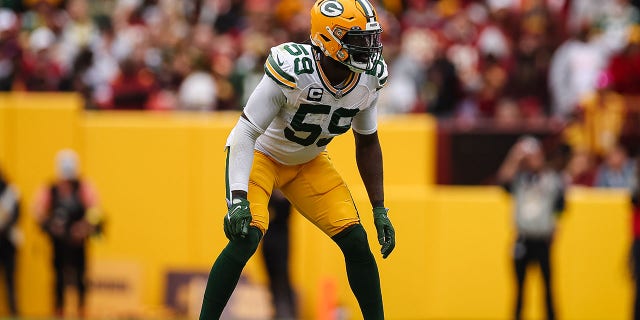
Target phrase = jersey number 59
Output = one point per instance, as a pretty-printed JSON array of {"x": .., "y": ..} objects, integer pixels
[{"x": 314, "y": 130}]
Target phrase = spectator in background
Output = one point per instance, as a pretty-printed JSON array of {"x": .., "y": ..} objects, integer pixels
[
  {"x": 67, "y": 210},
  {"x": 538, "y": 197},
  {"x": 581, "y": 11},
  {"x": 492, "y": 87},
  {"x": 77, "y": 33},
  {"x": 446, "y": 87},
  {"x": 527, "y": 81},
  {"x": 580, "y": 169},
  {"x": 42, "y": 14},
  {"x": 420, "y": 14},
  {"x": 292, "y": 16},
  {"x": 507, "y": 114},
  {"x": 614, "y": 19},
  {"x": 460, "y": 36},
  {"x": 574, "y": 71},
  {"x": 230, "y": 16},
  {"x": 249, "y": 67},
  {"x": 77, "y": 79},
  {"x": 408, "y": 92},
  {"x": 617, "y": 170},
  {"x": 222, "y": 68},
  {"x": 133, "y": 88},
  {"x": 494, "y": 36},
  {"x": 624, "y": 67},
  {"x": 10, "y": 238},
  {"x": 104, "y": 69},
  {"x": 597, "y": 123},
  {"x": 198, "y": 90},
  {"x": 39, "y": 70},
  {"x": 10, "y": 50}
]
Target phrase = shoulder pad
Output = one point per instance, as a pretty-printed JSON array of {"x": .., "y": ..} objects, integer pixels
[
  {"x": 281, "y": 64},
  {"x": 380, "y": 72}
]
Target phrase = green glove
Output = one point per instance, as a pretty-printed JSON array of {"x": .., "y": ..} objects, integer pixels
[
  {"x": 236, "y": 222},
  {"x": 386, "y": 234}
]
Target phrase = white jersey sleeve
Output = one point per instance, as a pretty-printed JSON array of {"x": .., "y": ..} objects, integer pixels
[
  {"x": 264, "y": 103},
  {"x": 262, "y": 107},
  {"x": 366, "y": 121}
]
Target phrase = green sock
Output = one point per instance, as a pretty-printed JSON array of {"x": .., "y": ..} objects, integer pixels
[
  {"x": 225, "y": 274},
  {"x": 362, "y": 271}
]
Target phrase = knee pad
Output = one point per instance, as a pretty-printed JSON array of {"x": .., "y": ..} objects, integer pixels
[
  {"x": 242, "y": 249},
  {"x": 353, "y": 243}
]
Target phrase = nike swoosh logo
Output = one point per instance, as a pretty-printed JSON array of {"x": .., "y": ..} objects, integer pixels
[
  {"x": 229, "y": 214},
  {"x": 280, "y": 63},
  {"x": 233, "y": 212}
]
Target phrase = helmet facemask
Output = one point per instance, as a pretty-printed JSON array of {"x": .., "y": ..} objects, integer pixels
[{"x": 363, "y": 47}]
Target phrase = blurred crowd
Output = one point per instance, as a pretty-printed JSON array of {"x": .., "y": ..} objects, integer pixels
[
  {"x": 512, "y": 59},
  {"x": 504, "y": 59},
  {"x": 570, "y": 63},
  {"x": 141, "y": 54}
]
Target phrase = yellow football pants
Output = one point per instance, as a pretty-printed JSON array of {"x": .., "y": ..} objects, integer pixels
[{"x": 314, "y": 188}]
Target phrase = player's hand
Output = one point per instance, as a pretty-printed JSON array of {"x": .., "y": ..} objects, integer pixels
[
  {"x": 386, "y": 233},
  {"x": 236, "y": 222}
]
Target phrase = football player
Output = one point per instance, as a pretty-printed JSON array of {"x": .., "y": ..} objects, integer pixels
[{"x": 310, "y": 93}]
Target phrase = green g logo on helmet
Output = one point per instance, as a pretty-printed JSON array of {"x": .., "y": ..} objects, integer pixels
[{"x": 331, "y": 8}]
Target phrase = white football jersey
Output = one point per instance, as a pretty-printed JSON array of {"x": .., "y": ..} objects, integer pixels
[{"x": 315, "y": 111}]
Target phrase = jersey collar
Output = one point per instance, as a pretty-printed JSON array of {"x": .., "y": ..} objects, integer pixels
[{"x": 338, "y": 93}]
